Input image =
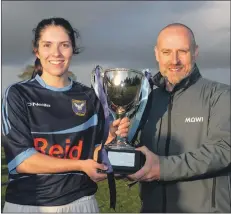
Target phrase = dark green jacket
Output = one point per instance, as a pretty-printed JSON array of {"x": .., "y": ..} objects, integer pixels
[{"x": 190, "y": 130}]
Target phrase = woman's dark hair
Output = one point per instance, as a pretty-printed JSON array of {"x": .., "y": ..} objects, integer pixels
[{"x": 72, "y": 33}]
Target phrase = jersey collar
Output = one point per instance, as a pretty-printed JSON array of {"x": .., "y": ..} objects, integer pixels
[{"x": 43, "y": 84}]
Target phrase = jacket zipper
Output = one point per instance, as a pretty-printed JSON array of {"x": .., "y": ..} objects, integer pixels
[
  {"x": 167, "y": 148},
  {"x": 169, "y": 125},
  {"x": 213, "y": 193},
  {"x": 158, "y": 139}
]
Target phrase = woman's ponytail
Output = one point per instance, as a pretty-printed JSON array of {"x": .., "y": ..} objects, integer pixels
[{"x": 37, "y": 68}]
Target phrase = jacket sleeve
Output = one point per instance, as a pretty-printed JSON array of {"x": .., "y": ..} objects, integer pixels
[
  {"x": 18, "y": 143},
  {"x": 213, "y": 156}
]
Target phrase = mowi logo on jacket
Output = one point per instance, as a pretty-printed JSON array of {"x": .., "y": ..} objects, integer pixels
[
  {"x": 194, "y": 119},
  {"x": 57, "y": 150}
]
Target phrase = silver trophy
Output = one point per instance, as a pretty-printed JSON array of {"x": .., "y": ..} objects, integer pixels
[{"x": 123, "y": 90}]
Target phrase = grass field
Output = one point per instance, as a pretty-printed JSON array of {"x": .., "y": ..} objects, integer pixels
[{"x": 127, "y": 199}]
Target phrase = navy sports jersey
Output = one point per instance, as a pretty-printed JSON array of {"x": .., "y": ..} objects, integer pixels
[{"x": 60, "y": 122}]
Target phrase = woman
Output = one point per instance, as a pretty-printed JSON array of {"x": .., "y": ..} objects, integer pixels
[{"x": 53, "y": 124}]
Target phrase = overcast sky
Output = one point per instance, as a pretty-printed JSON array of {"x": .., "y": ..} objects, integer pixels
[{"x": 118, "y": 34}]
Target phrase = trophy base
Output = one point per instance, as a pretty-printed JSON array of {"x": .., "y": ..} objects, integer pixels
[{"x": 124, "y": 159}]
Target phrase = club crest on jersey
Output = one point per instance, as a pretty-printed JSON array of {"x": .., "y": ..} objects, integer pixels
[{"x": 79, "y": 107}]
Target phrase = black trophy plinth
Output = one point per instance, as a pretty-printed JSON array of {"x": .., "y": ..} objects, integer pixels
[{"x": 125, "y": 160}]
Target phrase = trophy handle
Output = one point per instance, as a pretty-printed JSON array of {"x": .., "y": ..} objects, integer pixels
[
  {"x": 146, "y": 88},
  {"x": 97, "y": 85},
  {"x": 93, "y": 74}
]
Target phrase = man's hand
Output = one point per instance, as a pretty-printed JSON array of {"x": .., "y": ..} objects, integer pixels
[
  {"x": 151, "y": 169},
  {"x": 118, "y": 127},
  {"x": 90, "y": 167}
]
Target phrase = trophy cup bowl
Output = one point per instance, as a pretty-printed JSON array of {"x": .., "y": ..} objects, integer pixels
[{"x": 123, "y": 88}]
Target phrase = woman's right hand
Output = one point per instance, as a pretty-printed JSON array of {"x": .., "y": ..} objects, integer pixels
[{"x": 90, "y": 167}]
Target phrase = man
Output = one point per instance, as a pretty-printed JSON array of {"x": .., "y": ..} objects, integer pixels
[{"x": 186, "y": 136}]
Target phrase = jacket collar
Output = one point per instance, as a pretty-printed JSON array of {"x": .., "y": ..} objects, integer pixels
[{"x": 160, "y": 81}]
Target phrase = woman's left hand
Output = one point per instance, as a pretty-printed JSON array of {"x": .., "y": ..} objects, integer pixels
[{"x": 119, "y": 127}]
